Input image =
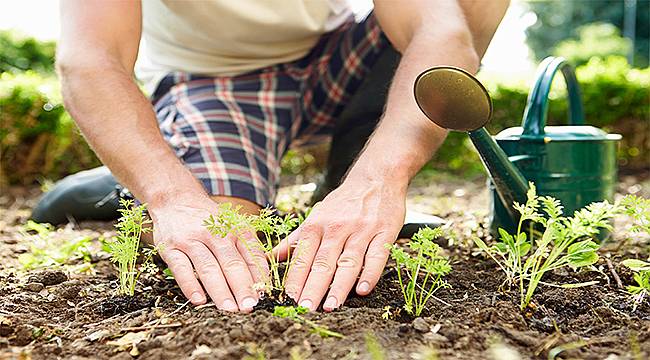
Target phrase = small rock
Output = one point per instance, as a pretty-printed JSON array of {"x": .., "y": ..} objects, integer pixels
[
  {"x": 23, "y": 335},
  {"x": 6, "y": 326},
  {"x": 48, "y": 277},
  {"x": 34, "y": 286},
  {"x": 421, "y": 325}
]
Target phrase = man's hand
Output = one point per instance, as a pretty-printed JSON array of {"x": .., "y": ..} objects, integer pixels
[
  {"x": 225, "y": 267},
  {"x": 344, "y": 235},
  {"x": 350, "y": 228}
]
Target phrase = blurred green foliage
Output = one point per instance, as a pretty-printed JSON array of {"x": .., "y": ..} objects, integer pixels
[
  {"x": 559, "y": 20},
  {"x": 20, "y": 53},
  {"x": 594, "y": 40},
  {"x": 37, "y": 136}
]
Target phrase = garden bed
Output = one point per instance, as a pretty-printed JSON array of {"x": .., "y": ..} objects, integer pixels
[{"x": 48, "y": 313}]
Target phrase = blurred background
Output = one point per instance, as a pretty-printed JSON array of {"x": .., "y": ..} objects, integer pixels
[{"x": 606, "y": 40}]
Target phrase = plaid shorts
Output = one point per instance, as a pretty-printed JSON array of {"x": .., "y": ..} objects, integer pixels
[{"x": 232, "y": 131}]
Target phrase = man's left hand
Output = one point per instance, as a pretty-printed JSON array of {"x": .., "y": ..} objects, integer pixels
[{"x": 346, "y": 234}]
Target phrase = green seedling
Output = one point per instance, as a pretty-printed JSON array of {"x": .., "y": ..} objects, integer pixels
[
  {"x": 641, "y": 271},
  {"x": 638, "y": 209},
  {"x": 46, "y": 250},
  {"x": 271, "y": 228},
  {"x": 426, "y": 262},
  {"x": 125, "y": 246},
  {"x": 565, "y": 241},
  {"x": 296, "y": 314}
]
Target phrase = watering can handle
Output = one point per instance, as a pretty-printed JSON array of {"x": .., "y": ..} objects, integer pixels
[{"x": 537, "y": 104}]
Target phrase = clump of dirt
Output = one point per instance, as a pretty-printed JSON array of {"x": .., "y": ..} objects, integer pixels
[
  {"x": 48, "y": 277},
  {"x": 123, "y": 304}
]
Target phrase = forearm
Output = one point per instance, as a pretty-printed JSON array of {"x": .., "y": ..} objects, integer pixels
[
  {"x": 120, "y": 125},
  {"x": 406, "y": 139},
  {"x": 427, "y": 34}
]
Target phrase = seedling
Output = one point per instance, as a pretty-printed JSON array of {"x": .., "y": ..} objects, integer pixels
[
  {"x": 638, "y": 209},
  {"x": 641, "y": 271},
  {"x": 296, "y": 314},
  {"x": 46, "y": 250},
  {"x": 272, "y": 228},
  {"x": 566, "y": 241},
  {"x": 124, "y": 248},
  {"x": 426, "y": 261}
]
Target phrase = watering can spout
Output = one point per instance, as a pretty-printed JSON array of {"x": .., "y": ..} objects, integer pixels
[{"x": 454, "y": 99}]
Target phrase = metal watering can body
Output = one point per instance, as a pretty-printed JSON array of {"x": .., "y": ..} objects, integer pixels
[{"x": 575, "y": 164}]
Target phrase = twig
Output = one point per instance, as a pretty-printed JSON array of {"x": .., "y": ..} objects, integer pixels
[
  {"x": 151, "y": 327},
  {"x": 613, "y": 271}
]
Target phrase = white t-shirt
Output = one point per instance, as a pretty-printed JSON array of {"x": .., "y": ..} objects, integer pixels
[{"x": 229, "y": 37}]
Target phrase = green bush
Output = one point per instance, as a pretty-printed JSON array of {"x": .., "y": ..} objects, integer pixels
[
  {"x": 19, "y": 53},
  {"x": 594, "y": 40},
  {"x": 615, "y": 97},
  {"x": 37, "y": 136}
]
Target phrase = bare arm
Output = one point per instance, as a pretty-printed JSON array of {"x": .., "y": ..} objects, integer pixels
[
  {"x": 95, "y": 59},
  {"x": 346, "y": 234}
]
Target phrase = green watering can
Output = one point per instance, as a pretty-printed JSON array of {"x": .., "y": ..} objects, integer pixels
[{"x": 575, "y": 163}]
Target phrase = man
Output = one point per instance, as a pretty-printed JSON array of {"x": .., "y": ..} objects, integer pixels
[{"x": 234, "y": 83}]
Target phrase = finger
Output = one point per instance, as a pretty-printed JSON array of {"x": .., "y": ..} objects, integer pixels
[
  {"x": 287, "y": 246},
  {"x": 236, "y": 271},
  {"x": 183, "y": 272},
  {"x": 375, "y": 261},
  {"x": 348, "y": 267},
  {"x": 323, "y": 267},
  {"x": 303, "y": 255},
  {"x": 252, "y": 253},
  {"x": 211, "y": 276}
]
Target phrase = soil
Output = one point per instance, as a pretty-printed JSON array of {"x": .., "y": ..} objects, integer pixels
[{"x": 67, "y": 313}]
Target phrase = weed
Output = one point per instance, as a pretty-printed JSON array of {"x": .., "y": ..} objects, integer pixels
[
  {"x": 124, "y": 248},
  {"x": 641, "y": 271},
  {"x": 428, "y": 262},
  {"x": 565, "y": 241},
  {"x": 296, "y": 314},
  {"x": 46, "y": 250}
]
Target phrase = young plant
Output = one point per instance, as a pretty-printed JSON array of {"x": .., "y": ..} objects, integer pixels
[
  {"x": 641, "y": 271},
  {"x": 638, "y": 209},
  {"x": 272, "y": 228},
  {"x": 426, "y": 263},
  {"x": 125, "y": 246},
  {"x": 565, "y": 241},
  {"x": 296, "y": 314},
  {"x": 47, "y": 250}
]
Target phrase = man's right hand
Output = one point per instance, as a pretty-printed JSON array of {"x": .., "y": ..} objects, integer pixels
[{"x": 227, "y": 268}]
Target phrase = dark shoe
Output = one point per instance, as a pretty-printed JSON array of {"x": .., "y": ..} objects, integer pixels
[{"x": 87, "y": 195}]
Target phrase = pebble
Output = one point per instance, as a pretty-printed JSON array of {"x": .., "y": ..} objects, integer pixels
[
  {"x": 421, "y": 325},
  {"x": 34, "y": 286}
]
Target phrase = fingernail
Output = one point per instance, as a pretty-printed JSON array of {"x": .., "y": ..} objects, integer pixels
[
  {"x": 306, "y": 303},
  {"x": 364, "y": 287},
  {"x": 330, "y": 303},
  {"x": 197, "y": 298},
  {"x": 229, "y": 305},
  {"x": 248, "y": 303}
]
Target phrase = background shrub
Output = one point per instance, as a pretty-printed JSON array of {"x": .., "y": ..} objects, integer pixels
[
  {"x": 37, "y": 136},
  {"x": 20, "y": 53}
]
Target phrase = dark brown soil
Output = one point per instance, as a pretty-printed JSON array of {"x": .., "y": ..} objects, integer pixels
[{"x": 77, "y": 315}]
